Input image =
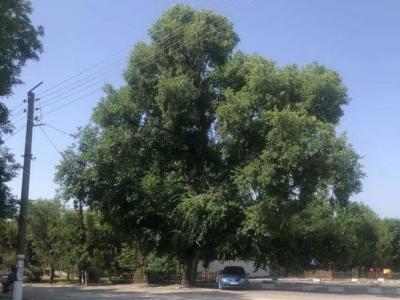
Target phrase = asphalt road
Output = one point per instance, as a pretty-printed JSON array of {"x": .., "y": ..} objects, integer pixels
[{"x": 133, "y": 292}]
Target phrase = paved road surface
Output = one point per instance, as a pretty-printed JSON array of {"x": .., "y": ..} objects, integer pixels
[{"x": 133, "y": 292}]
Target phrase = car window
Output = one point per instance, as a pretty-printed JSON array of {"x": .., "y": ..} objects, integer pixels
[{"x": 233, "y": 271}]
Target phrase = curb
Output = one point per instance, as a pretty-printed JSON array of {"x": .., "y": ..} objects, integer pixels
[{"x": 330, "y": 289}]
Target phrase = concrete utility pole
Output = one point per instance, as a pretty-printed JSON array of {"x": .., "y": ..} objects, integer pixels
[{"x": 23, "y": 212}]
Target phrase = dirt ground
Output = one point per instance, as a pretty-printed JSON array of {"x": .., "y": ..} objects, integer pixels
[{"x": 131, "y": 292}]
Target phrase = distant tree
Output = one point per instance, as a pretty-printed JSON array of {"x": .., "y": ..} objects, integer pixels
[
  {"x": 394, "y": 228},
  {"x": 19, "y": 42},
  {"x": 340, "y": 238},
  {"x": 45, "y": 239},
  {"x": 8, "y": 170},
  {"x": 74, "y": 252},
  {"x": 71, "y": 176},
  {"x": 367, "y": 237},
  {"x": 8, "y": 234}
]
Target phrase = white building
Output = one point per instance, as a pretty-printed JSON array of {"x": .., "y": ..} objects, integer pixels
[{"x": 216, "y": 266}]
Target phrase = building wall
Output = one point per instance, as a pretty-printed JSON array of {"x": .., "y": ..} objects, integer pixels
[{"x": 216, "y": 266}]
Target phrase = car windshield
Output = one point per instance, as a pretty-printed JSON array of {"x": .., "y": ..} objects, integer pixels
[{"x": 233, "y": 271}]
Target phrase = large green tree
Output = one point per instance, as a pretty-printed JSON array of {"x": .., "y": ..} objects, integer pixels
[
  {"x": 206, "y": 153},
  {"x": 164, "y": 172},
  {"x": 276, "y": 129},
  {"x": 19, "y": 42}
]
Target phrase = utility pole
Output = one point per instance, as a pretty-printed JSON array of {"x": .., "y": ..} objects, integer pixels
[{"x": 23, "y": 212}]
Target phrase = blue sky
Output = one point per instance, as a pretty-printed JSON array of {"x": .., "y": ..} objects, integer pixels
[{"x": 358, "y": 38}]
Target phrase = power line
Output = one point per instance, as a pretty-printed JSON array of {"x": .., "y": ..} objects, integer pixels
[
  {"x": 59, "y": 130},
  {"x": 15, "y": 107},
  {"x": 72, "y": 101},
  {"x": 75, "y": 100},
  {"x": 17, "y": 113},
  {"x": 84, "y": 70},
  {"x": 14, "y": 133},
  {"x": 86, "y": 79},
  {"x": 93, "y": 91},
  {"x": 51, "y": 90},
  {"x": 73, "y": 85},
  {"x": 50, "y": 141},
  {"x": 56, "y": 100},
  {"x": 21, "y": 118}
]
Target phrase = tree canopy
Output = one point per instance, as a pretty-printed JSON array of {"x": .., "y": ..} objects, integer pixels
[
  {"x": 206, "y": 152},
  {"x": 19, "y": 42}
]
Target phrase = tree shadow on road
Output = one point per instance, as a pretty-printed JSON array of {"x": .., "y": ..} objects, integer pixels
[{"x": 79, "y": 293}]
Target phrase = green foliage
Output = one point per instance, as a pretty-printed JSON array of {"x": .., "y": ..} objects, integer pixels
[
  {"x": 281, "y": 144},
  {"x": 162, "y": 264},
  {"x": 70, "y": 173},
  {"x": 206, "y": 153},
  {"x": 8, "y": 170},
  {"x": 156, "y": 153},
  {"x": 129, "y": 258},
  {"x": 18, "y": 41},
  {"x": 394, "y": 229},
  {"x": 342, "y": 238},
  {"x": 18, "y": 44},
  {"x": 45, "y": 238},
  {"x": 8, "y": 234}
]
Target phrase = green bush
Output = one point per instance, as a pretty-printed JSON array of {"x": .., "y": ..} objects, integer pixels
[
  {"x": 33, "y": 274},
  {"x": 162, "y": 264}
]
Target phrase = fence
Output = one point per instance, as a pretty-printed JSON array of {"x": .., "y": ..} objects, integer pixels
[
  {"x": 206, "y": 277},
  {"x": 342, "y": 275},
  {"x": 174, "y": 278},
  {"x": 326, "y": 274}
]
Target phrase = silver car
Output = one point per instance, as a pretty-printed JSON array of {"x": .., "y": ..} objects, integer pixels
[{"x": 233, "y": 277}]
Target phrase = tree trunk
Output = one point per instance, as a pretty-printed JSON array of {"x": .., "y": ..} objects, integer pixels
[
  {"x": 51, "y": 278},
  {"x": 83, "y": 277},
  {"x": 83, "y": 272},
  {"x": 86, "y": 277},
  {"x": 191, "y": 260}
]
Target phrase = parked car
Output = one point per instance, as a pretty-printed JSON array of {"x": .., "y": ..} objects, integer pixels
[{"x": 233, "y": 277}]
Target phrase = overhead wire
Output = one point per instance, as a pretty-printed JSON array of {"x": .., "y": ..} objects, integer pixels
[
  {"x": 72, "y": 101},
  {"x": 84, "y": 70},
  {"x": 103, "y": 80},
  {"x": 50, "y": 90},
  {"x": 14, "y": 133},
  {"x": 94, "y": 73},
  {"x": 60, "y": 130},
  {"x": 73, "y": 86},
  {"x": 18, "y": 120},
  {"x": 12, "y": 110},
  {"x": 50, "y": 140},
  {"x": 92, "y": 92},
  {"x": 86, "y": 79}
]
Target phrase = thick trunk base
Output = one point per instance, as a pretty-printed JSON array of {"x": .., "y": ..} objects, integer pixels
[{"x": 191, "y": 261}]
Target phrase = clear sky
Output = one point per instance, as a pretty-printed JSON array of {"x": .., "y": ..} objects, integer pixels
[{"x": 358, "y": 38}]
